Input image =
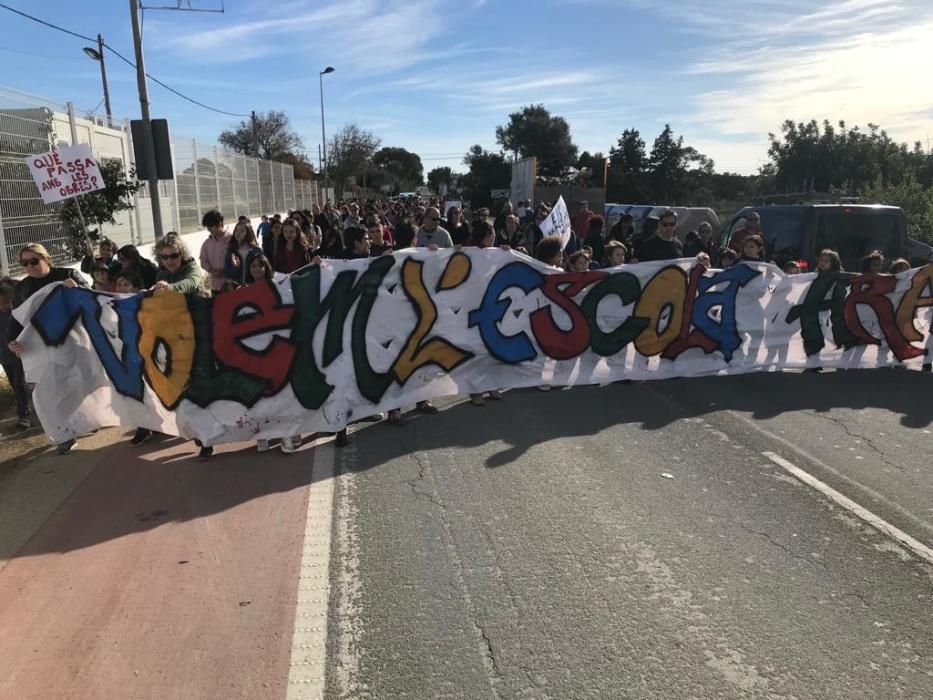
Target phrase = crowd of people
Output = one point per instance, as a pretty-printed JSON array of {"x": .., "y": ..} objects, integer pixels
[{"x": 279, "y": 246}]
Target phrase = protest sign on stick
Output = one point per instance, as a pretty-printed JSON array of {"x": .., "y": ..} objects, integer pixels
[
  {"x": 65, "y": 172},
  {"x": 557, "y": 222}
]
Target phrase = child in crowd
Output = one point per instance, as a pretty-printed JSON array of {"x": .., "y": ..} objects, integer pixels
[
  {"x": 828, "y": 261},
  {"x": 703, "y": 259},
  {"x": 898, "y": 266},
  {"x": 129, "y": 282},
  {"x": 103, "y": 280},
  {"x": 727, "y": 258},
  {"x": 259, "y": 272},
  {"x": 791, "y": 267},
  {"x": 615, "y": 254},
  {"x": 293, "y": 251},
  {"x": 579, "y": 262},
  {"x": 550, "y": 251},
  {"x": 752, "y": 249},
  {"x": 12, "y": 365},
  {"x": 873, "y": 262}
]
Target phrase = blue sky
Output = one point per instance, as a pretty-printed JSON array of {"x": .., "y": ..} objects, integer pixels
[{"x": 436, "y": 76}]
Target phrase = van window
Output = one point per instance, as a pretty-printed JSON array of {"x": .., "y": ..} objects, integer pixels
[
  {"x": 856, "y": 234},
  {"x": 783, "y": 232}
]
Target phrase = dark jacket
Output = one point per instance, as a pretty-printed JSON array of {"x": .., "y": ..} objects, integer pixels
[
  {"x": 28, "y": 286},
  {"x": 88, "y": 262},
  {"x": 147, "y": 271},
  {"x": 235, "y": 269}
]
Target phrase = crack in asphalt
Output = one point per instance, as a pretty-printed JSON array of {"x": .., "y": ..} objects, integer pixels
[
  {"x": 491, "y": 655},
  {"x": 868, "y": 441},
  {"x": 787, "y": 549},
  {"x": 422, "y": 465}
]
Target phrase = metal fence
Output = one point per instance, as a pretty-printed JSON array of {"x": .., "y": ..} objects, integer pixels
[{"x": 206, "y": 177}]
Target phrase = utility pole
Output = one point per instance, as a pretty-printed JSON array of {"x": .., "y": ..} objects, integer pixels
[
  {"x": 148, "y": 144},
  {"x": 252, "y": 118},
  {"x": 103, "y": 77}
]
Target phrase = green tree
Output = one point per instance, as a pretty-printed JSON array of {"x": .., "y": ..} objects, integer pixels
[
  {"x": 440, "y": 176},
  {"x": 910, "y": 195},
  {"x": 98, "y": 208},
  {"x": 487, "y": 171},
  {"x": 397, "y": 167},
  {"x": 269, "y": 136},
  {"x": 676, "y": 170},
  {"x": 628, "y": 162},
  {"x": 535, "y": 132}
]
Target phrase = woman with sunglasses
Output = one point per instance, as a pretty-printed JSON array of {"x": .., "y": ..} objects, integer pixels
[
  {"x": 40, "y": 273},
  {"x": 178, "y": 270}
]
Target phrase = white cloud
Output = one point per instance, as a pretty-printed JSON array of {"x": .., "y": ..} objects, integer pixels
[
  {"x": 371, "y": 36},
  {"x": 858, "y": 60}
]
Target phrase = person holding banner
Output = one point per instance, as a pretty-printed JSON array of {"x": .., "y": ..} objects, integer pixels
[
  {"x": 40, "y": 273},
  {"x": 178, "y": 270}
]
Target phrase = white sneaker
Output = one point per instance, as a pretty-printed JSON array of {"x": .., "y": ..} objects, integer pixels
[
  {"x": 262, "y": 446},
  {"x": 24, "y": 423},
  {"x": 290, "y": 444}
]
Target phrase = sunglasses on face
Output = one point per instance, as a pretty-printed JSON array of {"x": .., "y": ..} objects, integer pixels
[
  {"x": 668, "y": 224},
  {"x": 30, "y": 262},
  {"x": 169, "y": 256}
]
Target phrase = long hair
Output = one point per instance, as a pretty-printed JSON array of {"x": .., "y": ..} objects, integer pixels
[
  {"x": 250, "y": 239},
  {"x": 300, "y": 238},
  {"x": 836, "y": 265},
  {"x": 267, "y": 266}
]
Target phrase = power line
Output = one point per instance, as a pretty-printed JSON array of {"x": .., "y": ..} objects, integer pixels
[
  {"x": 121, "y": 57},
  {"x": 171, "y": 89},
  {"x": 30, "y": 53}
]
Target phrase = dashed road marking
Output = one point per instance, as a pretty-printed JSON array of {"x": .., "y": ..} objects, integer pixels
[{"x": 880, "y": 524}]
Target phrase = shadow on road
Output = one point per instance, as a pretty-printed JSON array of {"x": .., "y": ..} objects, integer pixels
[{"x": 136, "y": 490}]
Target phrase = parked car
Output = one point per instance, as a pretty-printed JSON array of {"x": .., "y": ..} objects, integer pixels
[{"x": 799, "y": 232}]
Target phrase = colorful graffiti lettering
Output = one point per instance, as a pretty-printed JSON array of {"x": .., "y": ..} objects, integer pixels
[{"x": 249, "y": 344}]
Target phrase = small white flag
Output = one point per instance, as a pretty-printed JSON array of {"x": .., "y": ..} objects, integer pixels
[{"x": 557, "y": 223}]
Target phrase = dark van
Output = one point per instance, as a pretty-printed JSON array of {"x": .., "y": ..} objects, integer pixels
[{"x": 800, "y": 231}]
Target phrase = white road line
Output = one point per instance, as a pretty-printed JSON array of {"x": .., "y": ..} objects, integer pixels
[
  {"x": 306, "y": 673},
  {"x": 883, "y": 526},
  {"x": 813, "y": 459}
]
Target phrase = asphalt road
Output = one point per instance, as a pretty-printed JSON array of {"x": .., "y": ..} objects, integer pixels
[{"x": 628, "y": 541}]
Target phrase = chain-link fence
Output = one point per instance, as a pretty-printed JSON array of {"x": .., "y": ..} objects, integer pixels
[{"x": 206, "y": 177}]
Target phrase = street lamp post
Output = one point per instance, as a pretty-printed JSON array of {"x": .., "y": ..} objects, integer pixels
[
  {"x": 98, "y": 55},
  {"x": 321, "y": 75}
]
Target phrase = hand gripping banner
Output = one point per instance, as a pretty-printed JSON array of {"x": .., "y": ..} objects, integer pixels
[{"x": 341, "y": 341}]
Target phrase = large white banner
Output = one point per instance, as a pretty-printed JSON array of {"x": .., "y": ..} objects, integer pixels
[
  {"x": 558, "y": 222},
  {"x": 339, "y": 342},
  {"x": 66, "y": 172}
]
